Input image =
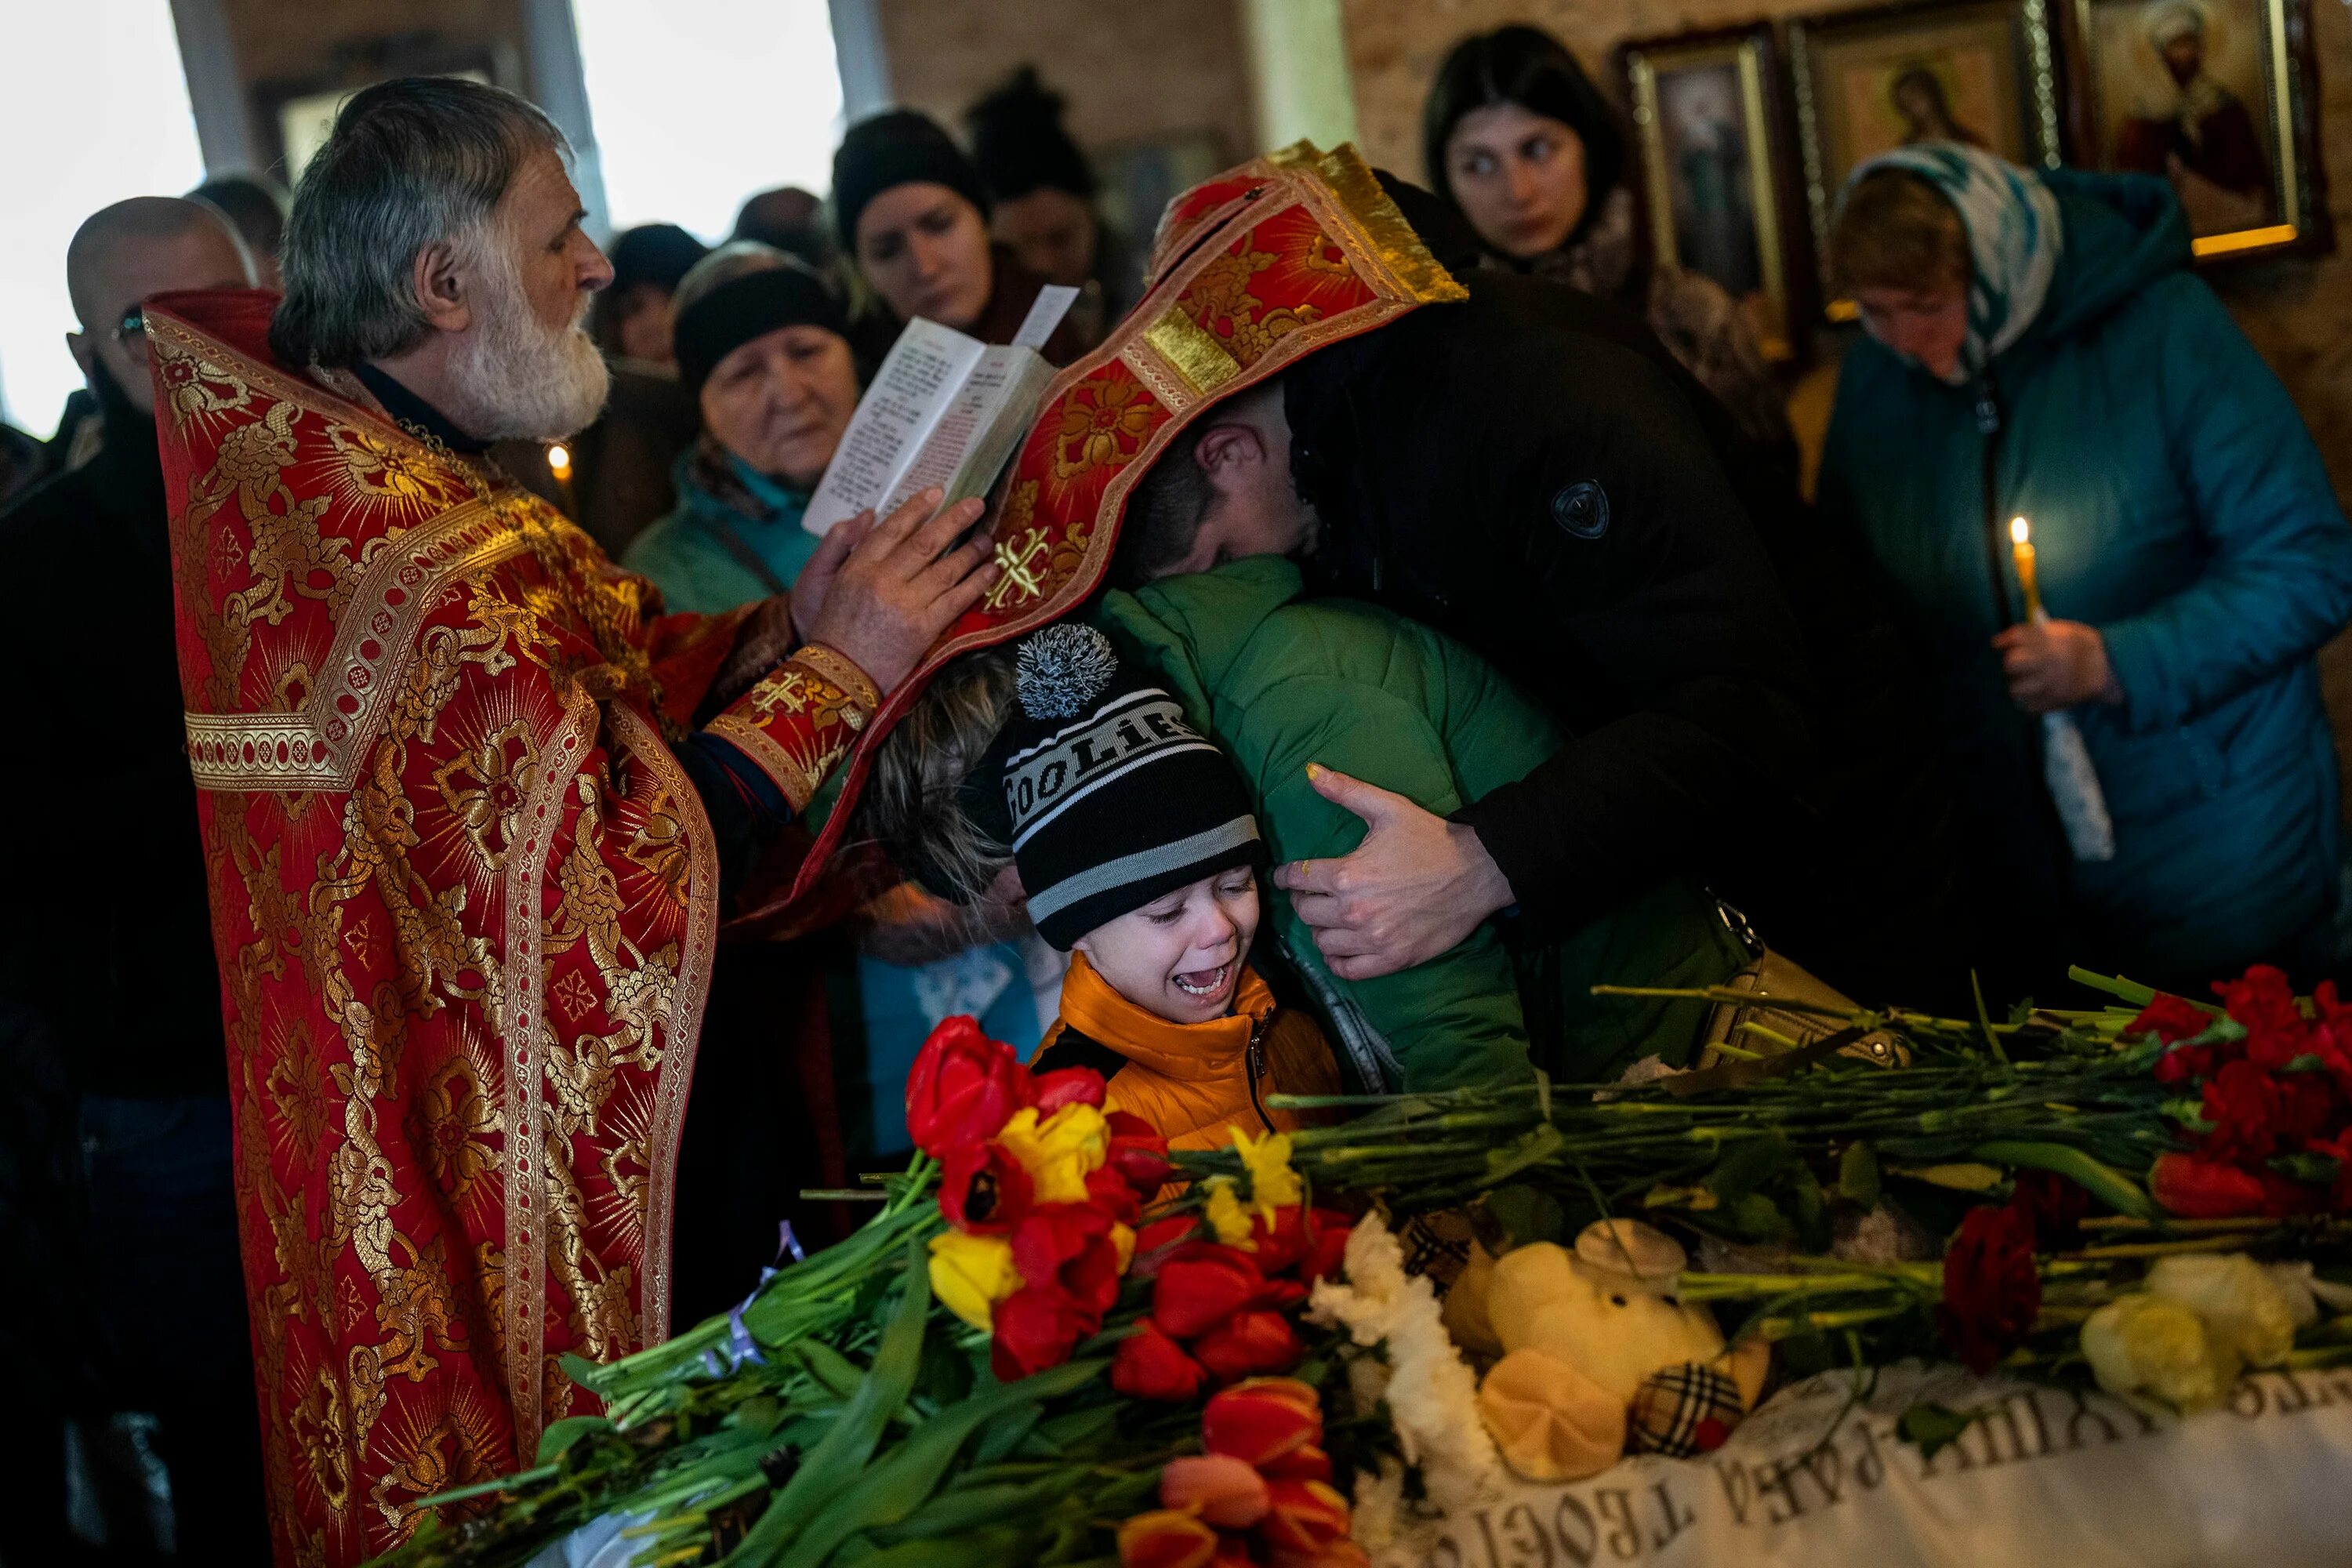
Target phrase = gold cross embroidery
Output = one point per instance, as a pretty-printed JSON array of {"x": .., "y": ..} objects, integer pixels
[{"x": 1019, "y": 569}]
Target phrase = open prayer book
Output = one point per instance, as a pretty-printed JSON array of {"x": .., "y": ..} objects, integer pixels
[{"x": 944, "y": 409}]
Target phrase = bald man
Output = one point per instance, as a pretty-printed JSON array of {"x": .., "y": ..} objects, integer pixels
[{"x": 107, "y": 935}]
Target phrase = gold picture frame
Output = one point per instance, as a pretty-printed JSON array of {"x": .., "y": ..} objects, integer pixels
[
  {"x": 1714, "y": 168},
  {"x": 2237, "y": 137}
]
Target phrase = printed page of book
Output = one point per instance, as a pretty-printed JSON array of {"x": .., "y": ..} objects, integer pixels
[
  {"x": 969, "y": 414},
  {"x": 1011, "y": 413},
  {"x": 918, "y": 384}
]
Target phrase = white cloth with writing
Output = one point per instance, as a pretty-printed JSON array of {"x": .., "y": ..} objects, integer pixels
[{"x": 2048, "y": 1481}]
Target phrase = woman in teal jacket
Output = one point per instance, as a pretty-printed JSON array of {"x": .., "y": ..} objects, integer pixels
[{"x": 2038, "y": 347}]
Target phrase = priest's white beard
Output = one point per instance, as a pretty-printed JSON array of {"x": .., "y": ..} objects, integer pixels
[{"x": 514, "y": 379}]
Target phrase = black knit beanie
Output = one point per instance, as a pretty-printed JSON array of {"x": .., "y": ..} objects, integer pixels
[
  {"x": 752, "y": 306},
  {"x": 897, "y": 147},
  {"x": 1109, "y": 798},
  {"x": 1019, "y": 145}
]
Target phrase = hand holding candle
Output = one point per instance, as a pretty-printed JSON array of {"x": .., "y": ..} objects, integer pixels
[{"x": 2050, "y": 665}]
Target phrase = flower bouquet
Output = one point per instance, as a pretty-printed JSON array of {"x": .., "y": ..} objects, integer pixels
[{"x": 1055, "y": 1342}]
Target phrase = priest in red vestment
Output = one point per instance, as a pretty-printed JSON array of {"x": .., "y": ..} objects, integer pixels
[{"x": 471, "y": 804}]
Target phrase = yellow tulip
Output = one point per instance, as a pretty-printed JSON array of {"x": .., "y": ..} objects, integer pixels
[
  {"x": 1059, "y": 1152},
  {"x": 970, "y": 1274}
]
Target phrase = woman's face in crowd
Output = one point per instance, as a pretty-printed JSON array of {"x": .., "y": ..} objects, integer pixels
[
  {"x": 1180, "y": 955},
  {"x": 924, "y": 251},
  {"x": 1929, "y": 324},
  {"x": 644, "y": 325},
  {"x": 1053, "y": 233},
  {"x": 782, "y": 401},
  {"x": 1518, "y": 177}
]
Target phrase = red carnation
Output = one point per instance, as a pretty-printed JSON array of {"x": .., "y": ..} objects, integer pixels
[
  {"x": 2264, "y": 1003},
  {"x": 2243, "y": 1104},
  {"x": 2170, "y": 1018},
  {"x": 1249, "y": 1344},
  {"x": 1067, "y": 1247},
  {"x": 1992, "y": 1291},
  {"x": 1149, "y": 1365},
  {"x": 983, "y": 1190},
  {"x": 2184, "y": 1064},
  {"x": 1138, "y": 1152},
  {"x": 1036, "y": 1329},
  {"x": 2055, "y": 1206},
  {"x": 1068, "y": 1086},
  {"x": 1201, "y": 1287},
  {"x": 2195, "y": 1188},
  {"x": 963, "y": 1088}
]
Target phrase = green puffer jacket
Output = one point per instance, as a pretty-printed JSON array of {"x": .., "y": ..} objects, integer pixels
[{"x": 1279, "y": 682}]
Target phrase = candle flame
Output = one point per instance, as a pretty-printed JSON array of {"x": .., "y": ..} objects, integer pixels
[
  {"x": 2017, "y": 530},
  {"x": 559, "y": 461}
]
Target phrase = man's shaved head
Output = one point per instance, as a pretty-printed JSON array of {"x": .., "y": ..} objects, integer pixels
[{"x": 125, "y": 253}]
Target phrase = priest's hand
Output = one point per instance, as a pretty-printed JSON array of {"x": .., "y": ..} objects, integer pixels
[
  {"x": 1416, "y": 886},
  {"x": 900, "y": 585},
  {"x": 2052, "y": 665}
]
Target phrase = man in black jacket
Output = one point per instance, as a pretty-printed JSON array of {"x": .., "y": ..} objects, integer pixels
[
  {"x": 108, "y": 936},
  {"x": 1534, "y": 473}
]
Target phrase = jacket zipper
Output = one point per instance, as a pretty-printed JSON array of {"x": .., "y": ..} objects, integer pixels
[
  {"x": 1253, "y": 1064},
  {"x": 1996, "y": 553}
]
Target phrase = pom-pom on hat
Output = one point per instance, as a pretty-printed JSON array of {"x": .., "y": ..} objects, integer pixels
[{"x": 1107, "y": 797}]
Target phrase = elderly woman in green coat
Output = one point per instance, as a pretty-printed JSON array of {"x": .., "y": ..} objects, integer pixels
[{"x": 2037, "y": 347}]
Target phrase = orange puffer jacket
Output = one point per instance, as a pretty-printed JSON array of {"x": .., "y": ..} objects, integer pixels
[{"x": 1193, "y": 1082}]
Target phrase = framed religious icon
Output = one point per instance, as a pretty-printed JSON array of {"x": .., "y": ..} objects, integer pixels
[
  {"x": 2220, "y": 97},
  {"x": 1979, "y": 71},
  {"x": 1716, "y": 174}
]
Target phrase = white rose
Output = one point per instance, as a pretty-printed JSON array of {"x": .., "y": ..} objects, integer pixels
[
  {"x": 2239, "y": 1300},
  {"x": 2142, "y": 1343}
]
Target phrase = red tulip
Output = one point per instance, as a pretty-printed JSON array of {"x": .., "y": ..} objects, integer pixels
[
  {"x": 1138, "y": 1152},
  {"x": 2192, "y": 1188},
  {"x": 962, "y": 1087},
  {"x": 1218, "y": 1487},
  {"x": 1036, "y": 1329},
  {"x": 1326, "y": 1252},
  {"x": 1158, "y": 1242},
  {"x": 1337, "y": 1555},
  {"x": 1068, "y": 1247},
  {"x": 1248, "y": 1345},
  {"x": 1303, "y": 1516},
  {"x": 1107, "y": 1191},
  {"x": 1262, "y": 1419},
  {"x": 1306, "y": 1464},
  {"x": 982, "y": 1189},
  {"x": 1069, "y": 1086},
  {"x": 1166, "y": 1539},
  {"x": 1201, "y": 1287},
  {"x": 1281, "y": 1244},
  {"x": 1147, "y": 1364}
]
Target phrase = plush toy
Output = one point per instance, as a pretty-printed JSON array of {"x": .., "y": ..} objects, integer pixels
[{"x": 1607, "y": 1321}]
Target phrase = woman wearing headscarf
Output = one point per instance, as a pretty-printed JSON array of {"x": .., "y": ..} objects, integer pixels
[
  {"x": 912, "y": 210},
  {"x": 1520, "y": 140},
  {"x": 2037, "y": 346},
  {"x": 763, "y": 351}
]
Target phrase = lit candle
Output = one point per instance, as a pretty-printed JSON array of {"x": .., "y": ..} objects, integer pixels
[
  {"x": 2020, "y": 538},
  {"x": 559, "y": 463}
]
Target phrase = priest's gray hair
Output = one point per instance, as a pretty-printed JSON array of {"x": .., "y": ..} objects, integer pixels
[{"x": 414, "y": 162}]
